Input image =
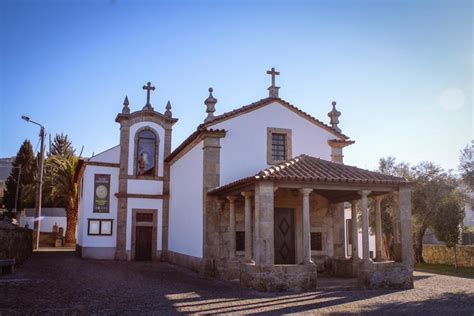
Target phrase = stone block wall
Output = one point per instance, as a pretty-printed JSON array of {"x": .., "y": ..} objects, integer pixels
[
  {"x": 386, "y": 275},
  {"x": 15, "y": 242},
  {"x": 440, "y": 254},
  {"x": 279, "y": 278}
]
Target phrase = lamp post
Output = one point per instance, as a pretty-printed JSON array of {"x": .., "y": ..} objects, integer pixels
[{"x": 39, "y": 187}]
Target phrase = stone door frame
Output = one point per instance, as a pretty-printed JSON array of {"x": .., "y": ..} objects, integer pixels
[{"x": 154, "y": 234}]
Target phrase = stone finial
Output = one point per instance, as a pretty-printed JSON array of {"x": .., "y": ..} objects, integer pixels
[
  {"x": 273, "y": 89},
  {"x": 210, "y": 103},
  {"x": 168, "y": 110},
  {"x": 334, "y": 116},
  {"x": 148, "y": 87},
  {"x": 125, "y": 109}
]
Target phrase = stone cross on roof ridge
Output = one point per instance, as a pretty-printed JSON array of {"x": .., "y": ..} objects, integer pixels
[
  {"x": 148, "y": 87},
  {"x": 273, "y": 89}
]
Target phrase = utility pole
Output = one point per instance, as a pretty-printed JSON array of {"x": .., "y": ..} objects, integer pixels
[
  {"x": 39, "y": 187},
  {"x": 17, "y": 191}
]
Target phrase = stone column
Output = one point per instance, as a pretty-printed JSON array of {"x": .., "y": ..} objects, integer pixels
[
  {"x": 248, "y": 225},
  {"x": 339, "y": 237},
  {"x": 306, "y": 227},
  {"x": 396, "y": 227},
  {"x": 210, "y": 204},
  {"x": 365, "y": 226},
  {"x": 264, "y": 227},
  {"x": 405, "y": 226},
  {"x": 378, "y": 228},
  {"x": 231, "y": 226},
  {"x": 120, "y": 248},
  {"x": 355, "y": 233}
]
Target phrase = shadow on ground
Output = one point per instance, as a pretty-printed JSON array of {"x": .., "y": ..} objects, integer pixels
[{"x": 59, "y": 282}]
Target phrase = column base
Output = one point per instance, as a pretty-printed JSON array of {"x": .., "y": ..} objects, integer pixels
[{"x": 121, "y": 255}]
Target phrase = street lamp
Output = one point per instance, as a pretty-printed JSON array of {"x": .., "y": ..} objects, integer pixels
[{"x": 39, "y": 187}]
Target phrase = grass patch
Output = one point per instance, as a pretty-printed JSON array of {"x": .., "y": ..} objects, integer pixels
[{"x": 445, "y": 269}]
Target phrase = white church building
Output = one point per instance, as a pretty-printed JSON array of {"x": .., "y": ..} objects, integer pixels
[{"x": 255, "y": 194}]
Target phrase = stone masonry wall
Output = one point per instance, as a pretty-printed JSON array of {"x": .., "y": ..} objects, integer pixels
[
  {"x": 440, "y": 254},
  {"x": 15, "y": 242}
]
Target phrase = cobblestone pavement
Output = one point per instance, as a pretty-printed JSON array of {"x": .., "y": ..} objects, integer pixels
[{"x": 54, "y": 283}]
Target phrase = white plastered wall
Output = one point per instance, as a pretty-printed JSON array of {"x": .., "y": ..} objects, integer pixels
[
  {"x": 87, "y": 204},
  {"x": 185, "y": 217},
  {"x": 111, "y": 155},
  {"x": 244, "y": 148}
]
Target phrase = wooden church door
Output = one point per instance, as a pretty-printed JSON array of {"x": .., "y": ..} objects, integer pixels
[
  {"x": 143, "y": 246},
  {"x": 284, "y": 235}
]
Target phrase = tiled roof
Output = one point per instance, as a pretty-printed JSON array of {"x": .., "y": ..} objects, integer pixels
[
  {"x": 266, "y": 101},
  {"x": 310, "y": 169}
]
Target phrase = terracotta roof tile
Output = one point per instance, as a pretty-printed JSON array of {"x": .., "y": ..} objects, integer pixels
[{"x": 311, "y": 169}]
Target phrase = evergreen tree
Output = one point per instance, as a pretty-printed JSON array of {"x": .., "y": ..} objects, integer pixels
[
  {"x": 26, "y": 158},
  {"x": 61, "y": 146}
]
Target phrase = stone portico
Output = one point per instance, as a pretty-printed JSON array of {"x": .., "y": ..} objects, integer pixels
[{"x": 277, "y": 211}]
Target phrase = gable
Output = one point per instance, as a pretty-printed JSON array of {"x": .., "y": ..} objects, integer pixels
[
  {"x": 111, "y": 155},
  {"x": 244, "y": 149},
  {"x": 270, "y": 101}
]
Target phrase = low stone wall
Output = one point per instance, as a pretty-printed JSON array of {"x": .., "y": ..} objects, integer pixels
[
  {"x": 15, "y": 242},
  {"x": 279, "y": 278},
  {"x": 440, "y": 254},
  {"x": 190, "y": 262},
  {"x": 389, "y": 275}
]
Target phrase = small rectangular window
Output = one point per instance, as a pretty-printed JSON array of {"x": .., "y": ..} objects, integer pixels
[
  {"x": 349, "y": 231},
  {"x": 239, "y": 241},
  {"x": 278, "y": 147},
  {"x": 144, "y": 217},
  {"x": 317, "y": 241},
  {"x": 100, "y": 227}
]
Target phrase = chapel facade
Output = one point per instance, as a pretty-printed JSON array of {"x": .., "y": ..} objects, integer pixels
[{"x": 256, "y": 194}]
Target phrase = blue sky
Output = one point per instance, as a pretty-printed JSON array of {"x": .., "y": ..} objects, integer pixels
[{"x": 400, "y": 71}]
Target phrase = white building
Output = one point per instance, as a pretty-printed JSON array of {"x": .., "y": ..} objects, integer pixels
[
  {"x": 254, "y": 192},
  {"x": 50, "y": 216}
]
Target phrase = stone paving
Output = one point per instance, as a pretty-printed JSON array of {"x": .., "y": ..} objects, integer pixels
[{"x": 60, "y": 283}]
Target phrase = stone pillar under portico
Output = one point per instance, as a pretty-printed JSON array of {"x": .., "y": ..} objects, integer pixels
[
  {"x": 306, "y": 227},
  {"x": 264, "y": 227},
  {"x": 231, "y": 226},
  {"x": 355, "y": 237},
  {"x": 396, "y": 227},
  {"x": 248, "y": 225},
  {"x": 365, "y": 227},
  {"x": 378, "y": 228}
]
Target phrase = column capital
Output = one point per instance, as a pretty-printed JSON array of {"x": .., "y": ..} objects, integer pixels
[
  {"x": 364, "y": 193},
  {"x": 231, "y": 198},
  {"x": 306, "y": 191},
  {"x": 378, "y": 198},
  {"x": 247, "y": 194}
]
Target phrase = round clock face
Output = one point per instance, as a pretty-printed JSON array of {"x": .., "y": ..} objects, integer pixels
[{"x": 101, "y": 191}]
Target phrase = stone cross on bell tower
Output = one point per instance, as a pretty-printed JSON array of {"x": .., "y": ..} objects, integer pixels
[
  {"x": 148, "y": 87},
  {"x": 273, "y": 89}
]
